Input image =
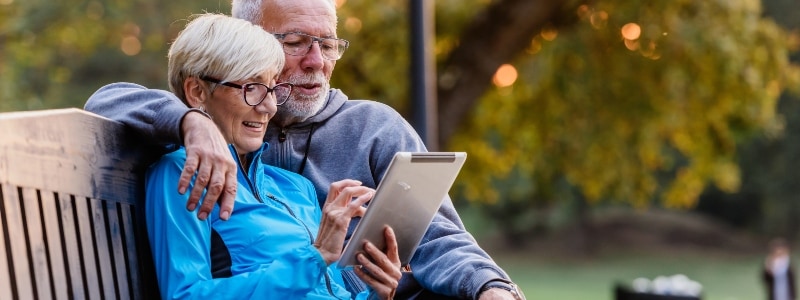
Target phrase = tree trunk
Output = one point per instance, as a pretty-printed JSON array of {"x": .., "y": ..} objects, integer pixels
[{"x": 494, "y": 37}]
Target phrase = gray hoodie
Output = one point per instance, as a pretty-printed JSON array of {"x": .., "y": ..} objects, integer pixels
[{"x": 353, "y": 139}]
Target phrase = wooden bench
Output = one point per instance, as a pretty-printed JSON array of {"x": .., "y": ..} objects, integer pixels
[{"x": 71, "y": 219}]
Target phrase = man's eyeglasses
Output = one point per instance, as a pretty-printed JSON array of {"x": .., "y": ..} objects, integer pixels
[
  {"x": 255, "y": 92},
  {"x": 298, "y": 44}
]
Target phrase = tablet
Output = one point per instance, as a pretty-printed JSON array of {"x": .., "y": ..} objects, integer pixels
[{"x": 407, "y": 199}]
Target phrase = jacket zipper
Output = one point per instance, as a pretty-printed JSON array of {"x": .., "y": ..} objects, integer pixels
[
  {"x": 310, "y": 237},
  {"x": 247, "y": 177},
  {"x": 257, "y": 194}
]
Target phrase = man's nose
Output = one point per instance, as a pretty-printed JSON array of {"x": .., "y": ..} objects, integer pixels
[{"x": 314, "y": 58}]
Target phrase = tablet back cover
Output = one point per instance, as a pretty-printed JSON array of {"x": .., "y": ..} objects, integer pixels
[{"x": 407, "y": 199}]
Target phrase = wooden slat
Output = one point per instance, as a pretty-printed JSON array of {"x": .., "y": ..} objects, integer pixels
[
  {"x": 5, "y": 275},
  {"x": 104, "y": 251},
  {"x": 115, "y": 236},
  {"x": 86, "y": 233},
  {"x": 36, "y": 243},
  {"x": 56, "y": 250},
  {"x": 127, "y": 211},
  {"x": 70, "y": 151},
  {"x": 71, "y": 243},
  {"x": 19, "y": 250}
]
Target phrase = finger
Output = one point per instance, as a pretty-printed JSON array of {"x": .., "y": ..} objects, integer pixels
[
  {"x": 362, "y": 196},
  {"x": 339, "y": 185},
  {"x": 200, "y": 183},
  {"x": 228, "y": 197},
  {"x": 214, "y": 189},
  {"x": 391, "y": 246},
  {"x": 336, "y": 188},
  {"x": 384, "y": 290},
  {"x": 376, "y": 273},
  {"x": 347, "y": 194},
  {"x": 366, "y": 277},
  {"x": 381, "y": 260},
  {"x": 189, "y": 169}
]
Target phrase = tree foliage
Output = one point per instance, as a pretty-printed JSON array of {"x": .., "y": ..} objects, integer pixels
[
  {"x": 56, "y": 53},
  {"x": 766, "y": 202},
  {"x": 654, "y": 114}
]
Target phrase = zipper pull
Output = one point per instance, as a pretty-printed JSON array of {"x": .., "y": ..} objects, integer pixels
[{"x": 282, "y": 135}]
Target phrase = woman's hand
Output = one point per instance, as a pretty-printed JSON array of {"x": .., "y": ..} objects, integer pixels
[
  {"x": 339, "y": 208},
  {"x": 380, "y": 270}
]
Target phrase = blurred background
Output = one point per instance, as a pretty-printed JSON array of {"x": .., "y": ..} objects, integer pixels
[{"x": 608, "y": 140}]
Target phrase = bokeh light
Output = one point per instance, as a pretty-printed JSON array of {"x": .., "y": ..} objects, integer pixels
[
  {"x": 131, "y": 45},
  {"x": 631, "y": 31},
  {"x": 505, "y": 76},
  {"x": 535, "y": 46},
  {"x": 549, "y": 33},
  {"x": 352, "y": 25},
  {"x": 599, "y": 19}
]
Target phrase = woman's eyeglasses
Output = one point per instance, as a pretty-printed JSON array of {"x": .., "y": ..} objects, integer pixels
[{"x": 255, "y": 92}]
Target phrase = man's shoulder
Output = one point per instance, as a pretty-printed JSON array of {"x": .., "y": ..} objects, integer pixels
[{"x": 369, "y": 110}]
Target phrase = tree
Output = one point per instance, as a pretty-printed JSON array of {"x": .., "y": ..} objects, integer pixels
[{"x": 640, "y": 103}]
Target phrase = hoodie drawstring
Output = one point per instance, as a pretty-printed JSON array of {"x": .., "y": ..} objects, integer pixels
[{"x": 308, "y": 146}]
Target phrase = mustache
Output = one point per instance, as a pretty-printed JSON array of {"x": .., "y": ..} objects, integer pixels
[{"x": 307, "y": 79}]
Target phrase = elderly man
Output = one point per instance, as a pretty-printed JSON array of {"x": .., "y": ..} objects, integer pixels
[{"x": 319, "y": 134}]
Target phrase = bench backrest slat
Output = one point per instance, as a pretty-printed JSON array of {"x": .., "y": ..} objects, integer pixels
[
  {"x": 5, "y": 280},
  {"x": 52, "y": 220},
  {"x": 17, "y": 250},
  {"x": 71, "y": 225}
]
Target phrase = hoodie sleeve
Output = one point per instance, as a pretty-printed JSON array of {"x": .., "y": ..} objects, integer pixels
[
  {"x": 448, "y": 260},
  {"x": 181, "y": 250},
  {"x": 155, "y": 115}
]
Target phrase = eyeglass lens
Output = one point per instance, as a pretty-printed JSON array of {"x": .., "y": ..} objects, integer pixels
[
  {"x": 299, "y": 44},
  {"x": 254, "y": 93}
]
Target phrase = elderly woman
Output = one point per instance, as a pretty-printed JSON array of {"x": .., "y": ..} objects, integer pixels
[{"x": 278, "y": 244}]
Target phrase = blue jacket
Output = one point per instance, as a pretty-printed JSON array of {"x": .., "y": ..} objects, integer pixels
[
  {"x": 265, "y": 250},
  {"x": 348, "y": 139}
]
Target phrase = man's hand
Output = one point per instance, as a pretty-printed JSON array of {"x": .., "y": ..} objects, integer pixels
[
  {"x": 497, "y": 294},
  {"x": 381, "y": 271},
  {"x": 207, "y": 155}
]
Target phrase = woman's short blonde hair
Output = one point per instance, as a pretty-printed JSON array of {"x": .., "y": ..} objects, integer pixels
[{"x": 222, "y": 47}]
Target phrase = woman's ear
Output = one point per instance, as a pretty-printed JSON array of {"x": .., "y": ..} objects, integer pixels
[{"x": 195, "y": 92}]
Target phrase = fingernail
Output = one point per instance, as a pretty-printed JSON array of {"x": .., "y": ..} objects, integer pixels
[
  {"x": 225, "y": 215},
  {"x": 191, "y": 206},
  {"x": 202, "y": 216},
  {"x": 182, "y": 190}
]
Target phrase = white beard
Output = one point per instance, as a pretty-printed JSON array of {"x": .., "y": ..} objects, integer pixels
[{"x": 302, "y": 107}]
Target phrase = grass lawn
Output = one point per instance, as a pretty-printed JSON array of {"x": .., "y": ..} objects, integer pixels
[
  {"x": 546, "y": 272},
  {"x": 723, "y": 278}
]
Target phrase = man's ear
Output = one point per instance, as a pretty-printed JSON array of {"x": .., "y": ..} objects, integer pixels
[{"x": 195, "y": 92}]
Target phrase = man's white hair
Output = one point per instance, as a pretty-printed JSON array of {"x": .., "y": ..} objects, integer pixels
[
  {"x": 250, "y": 10},
  {"x": 222, "y": 47}
]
